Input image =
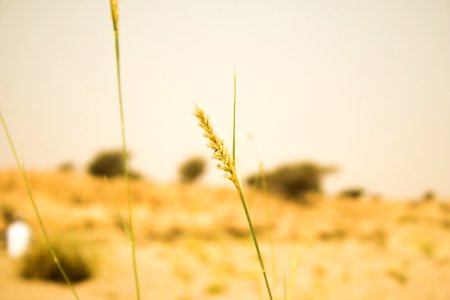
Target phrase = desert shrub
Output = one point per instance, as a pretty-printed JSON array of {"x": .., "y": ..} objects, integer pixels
[
  {"x": 352, "y": 193},
  {"x": 428, "y": 195},
  {"x": 398, "y": 274},
  {"x": 293, "y": 180},
  {"x": 107, "y": 163},
  {"x": 7, "y": 213},
  {"x": 427, "y": 248},
  {"x": 66, "y": 167},
  {"x": 335, "y": 234},
  {"x": 110, "y": 163},
  {"x": 38, "y": 263},
  {"x": 133, "y": 174},
  {"x": 215, "y": 287},
  {"x": 192, "y": 169}
]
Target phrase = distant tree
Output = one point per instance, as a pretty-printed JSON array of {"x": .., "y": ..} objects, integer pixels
[
  {"x": 66, "y": 167},
  {"x": 294, "y": 180},
  {"x": 192, "y": 169},
  {"x": 352, "y": 193},
  {"x": 428, "y": 195},
  {"x": 110, "y": 163}
]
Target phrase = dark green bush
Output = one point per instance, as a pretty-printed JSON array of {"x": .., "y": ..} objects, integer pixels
[
  {"x": 110, "y": 163},
  {"x": 293, "y": 180},
  {"x": 192, "y": 169},
  {"x": 38, "y": 263},
  {"x": 66, "y": 167},
  {"x": 428, "y": 195},
  {"x": 7, "y": 214},
  {"x": 352, "y": 193}
]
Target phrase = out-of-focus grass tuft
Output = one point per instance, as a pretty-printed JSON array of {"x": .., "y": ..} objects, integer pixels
[{"x": 38, "y": 263}]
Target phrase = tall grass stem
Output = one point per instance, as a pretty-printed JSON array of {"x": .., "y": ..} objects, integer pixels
[
  {"x": 262, "y": 181},
  {"x": 115, "y": 19},
  {"x": 268, "y": 222},
  {"x": 255, "y": 240},
  {"x": 234, "y": 117},
  {"x": 241, "y": 195}
]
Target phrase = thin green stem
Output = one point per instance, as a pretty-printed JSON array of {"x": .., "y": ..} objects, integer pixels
[
  {"x": 255, "y": 240},
  {"x": 115, "y": 18},
  {"x": 126, "y": 174},
  {"x": 24, "y": 176},
  {"x": 294, "y": 266},
  {"x": 234, "y": 118},
  {"x": 241, "y": 195},
  {"x": 262, "y": 182},
  {"x": 269, "y": 222}
]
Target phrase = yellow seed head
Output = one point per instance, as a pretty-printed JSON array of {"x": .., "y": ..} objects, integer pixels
[
  {"x": 115, "y": 14},
  {"x": 220, "y": 153}
]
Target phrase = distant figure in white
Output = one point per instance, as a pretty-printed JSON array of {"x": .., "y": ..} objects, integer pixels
[{"x": 18, "y": 236}]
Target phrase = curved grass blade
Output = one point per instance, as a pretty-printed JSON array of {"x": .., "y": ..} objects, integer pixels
[{"x": 24, "y": 176}]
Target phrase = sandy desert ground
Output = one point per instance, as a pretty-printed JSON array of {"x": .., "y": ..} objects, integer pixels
[{"x": 193, "y": 243}]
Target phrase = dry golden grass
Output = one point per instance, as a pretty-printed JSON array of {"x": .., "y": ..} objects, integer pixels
[
  {"x": 221, "y": 154},
  {"x": 193, "y": 242}
]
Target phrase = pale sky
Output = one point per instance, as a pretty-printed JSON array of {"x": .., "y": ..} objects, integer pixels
[{"x": 362, "y": 85}]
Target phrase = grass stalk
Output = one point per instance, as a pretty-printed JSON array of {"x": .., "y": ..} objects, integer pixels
[
  {"x": 294, "y": 266},
  {"x": 227, "y": 164},
  {"x": 234, "y": 117},
  {"x": 255, "y": 241},
  {"x": 262, "y": 182},
  {"x": 130, "y": 231},
  {"x": 24, "y": 176},
  {"x": 268, "y": 222}
]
